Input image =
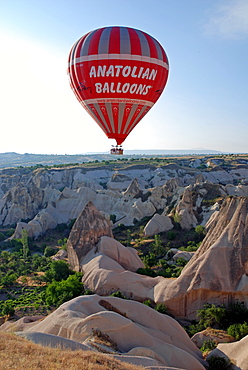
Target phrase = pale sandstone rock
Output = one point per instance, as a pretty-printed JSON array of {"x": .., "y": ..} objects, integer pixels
[
  {"x": 158, "y": 224},
  {"x": 53, "y": 341},
  {"x": 85, "y": 234},
  {"x": 218, "y": 336},
  {"x": 237, "y": 352},
  {"x": 133, "y": 189},
  {"x": 60, "y": 255},
  {"x": 183, "y": 254},
  {"x": 158, "y": 197},
  {"x": 129, "y": 324},
  {"x": 217, "y": 273},
  {"x": 203, "y": 280},
  {"x": 185, "y": 210},
  {"x": 239, "y": 190}
]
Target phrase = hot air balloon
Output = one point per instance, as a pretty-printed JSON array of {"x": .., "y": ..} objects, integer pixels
[{"x": 117, "y": 74}]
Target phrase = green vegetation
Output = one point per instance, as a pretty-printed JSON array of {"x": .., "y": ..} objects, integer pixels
[
  {"x": 30, "y": 282},
  {"x": 219, "y": 363},
  {"x": 232, "y": 319},
  {"x": 62, "y": 291},
  {"x": 238, "y": 331},
  {"x": 208, "y": 345}
]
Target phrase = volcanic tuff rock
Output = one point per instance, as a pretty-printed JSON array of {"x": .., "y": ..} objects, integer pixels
[
  {"x": 127, "y": 327},
  {"x": 85, "y": 234},
  {"x": 236, "y": 352},
  {"x": 48, "y": 197},
  {"x": 217, "y": 273},
  {"x": 158, "y": 224}
]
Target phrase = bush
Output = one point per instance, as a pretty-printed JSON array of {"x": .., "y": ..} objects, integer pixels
[
  {"x": 212, "y": 316},
  {"x": 118, "y": 294},
  {"x": 208, "y": 345},
  {"x": 200, "y": 230},
  {"x": 238, "y": 331},
  {"x": 157, "y": 247},
  {"x": 8, "y": 279},
  {"x": 219, "y": 363},
  {"x": 48, "y": 252},
  {"x": 160, "y": 307},
  {"x": 146, "y": 271},
  {"x": 8, "y": 308},
  {"x": 62, "y": 291},
  {"x": 59, "y": 270},
  {"x": 148, "y": 303},
  {"x": 113, "y": 218},
  {"x": 149, "y": 260}
]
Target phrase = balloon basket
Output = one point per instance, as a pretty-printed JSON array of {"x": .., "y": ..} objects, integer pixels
[{"x": 116, "y": 150}]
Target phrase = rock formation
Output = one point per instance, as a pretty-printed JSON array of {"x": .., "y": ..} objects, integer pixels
[
  {"x": 43, "y": 198},
  {"x": 236, "y": 352},
  {"x": 217, "y": 273},
  {"x": 85, "y": 234},
  {"x": 127, "y": 328},
  {"x": 203, "y": 280},
  {"x": 158, "y": 224}
]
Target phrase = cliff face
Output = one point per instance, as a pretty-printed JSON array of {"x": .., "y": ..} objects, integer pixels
[
  {"x": 218, "y": 272},
  {"x": 86, "y": 232}
]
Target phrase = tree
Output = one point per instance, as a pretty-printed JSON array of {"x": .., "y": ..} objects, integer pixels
[
  {"x": 49, "y": 251},
  {"x": 59, "y": 270},
  {"x": 157, "y": 247},
  {"x": 62, "y": 291},
  {"x": 24, "y": 241},
  {"x": 8, "y": 308},
  {"x": 8, "y": 279}
]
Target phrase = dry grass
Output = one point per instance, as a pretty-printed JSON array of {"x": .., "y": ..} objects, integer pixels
[{"x": 20, "y": 354}]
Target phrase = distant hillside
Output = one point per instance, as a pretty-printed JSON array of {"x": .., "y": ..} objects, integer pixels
[{"x": 13, "y": 159}]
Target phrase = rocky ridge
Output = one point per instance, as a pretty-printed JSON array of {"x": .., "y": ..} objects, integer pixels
[
  {"x": 43, "y": 198},
  {"x": 203, "y": 280}
]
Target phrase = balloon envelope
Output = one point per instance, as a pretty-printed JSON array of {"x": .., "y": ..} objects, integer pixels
[{"x": 117, "y": 74}]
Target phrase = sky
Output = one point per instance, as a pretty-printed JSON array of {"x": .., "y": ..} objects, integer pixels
[{"x": 204, "y": 104}]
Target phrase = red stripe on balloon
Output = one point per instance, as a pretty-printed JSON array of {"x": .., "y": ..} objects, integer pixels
[
  {"x": 152, "y": 46},
  {"x": 114, "y": 42},
  {"x": 135, "y": 42},
  {"x": 94, "y": 43}
]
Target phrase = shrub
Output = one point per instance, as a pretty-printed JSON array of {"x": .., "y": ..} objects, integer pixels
[
  {"x": 238, "y": 331},
  {"x": 181, "y": 262},
  {"x": 8, "y": 279},
  {"x": 118, "y": 294},
  {"x": 113, "y": 218},
  {"x": 208, "y": 345},
  {"x": 148, "y": 303},
  {"x": 194, "y": 328},
  {"x": 149, "y": 260},
  {"x": 62, "y": 291},
  {"x": 157, "y": 247},
  {"x": 48, "y": 252},
  {"x": 146, "y": 271},
  {"x": 200, "y": 230},
  {"x": 71, "y": 223},
  {"x": 8, "y": 308},
  {"x": 212, "y": 316},
  {"x": 59, "y": 270},
  {"x": 219, "y": 363},
  {"x": 160, "y": 307}
]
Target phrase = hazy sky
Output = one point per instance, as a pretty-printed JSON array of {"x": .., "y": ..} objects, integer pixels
[{"x": 205, "y": 102}]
